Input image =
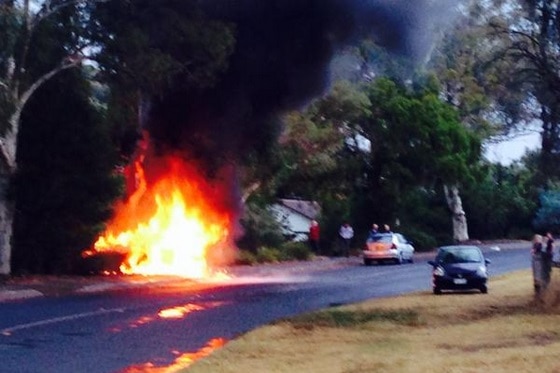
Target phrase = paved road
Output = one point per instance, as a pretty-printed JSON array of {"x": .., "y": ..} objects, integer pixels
[{"x": 124, "y": 330}]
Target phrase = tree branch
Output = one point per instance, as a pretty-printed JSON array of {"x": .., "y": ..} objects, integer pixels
[
  {"x": 67, "y": 63},
  {"x": 8, "y": 141},
  {"x": 47, "y": 9}
]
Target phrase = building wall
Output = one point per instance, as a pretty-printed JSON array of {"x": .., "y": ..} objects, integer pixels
[{"x": 293, "y": 223}]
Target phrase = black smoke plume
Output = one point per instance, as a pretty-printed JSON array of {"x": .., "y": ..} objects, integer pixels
[{"x": 281, "y": 60}]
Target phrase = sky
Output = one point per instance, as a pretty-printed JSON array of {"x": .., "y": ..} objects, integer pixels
[{"x": 509, "y": 151}]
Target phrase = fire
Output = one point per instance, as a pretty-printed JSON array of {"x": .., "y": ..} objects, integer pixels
[{"x": 168, "y": 225}]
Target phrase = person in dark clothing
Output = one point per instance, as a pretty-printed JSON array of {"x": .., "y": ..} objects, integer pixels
[
  {"x": 374, "y": 230},
  {"x": 548, "y": 253},
  {"x": 539, "y": 277},
  {"x": 549, "y": 244}
]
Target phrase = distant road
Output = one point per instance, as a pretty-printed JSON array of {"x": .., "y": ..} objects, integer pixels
[{"x": 114, "y": 331}]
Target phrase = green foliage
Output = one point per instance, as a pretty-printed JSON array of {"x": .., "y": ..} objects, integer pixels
[
  {"x": 264, "y": 254},
  {"x": 500, "y": 202},
  {"x": 153, "y": 46},
  {"x": 341, "y": 318},
  {"x": 548, "y": 214},
  {"x": 424, "y": 219},
  {"x": 66, "y": 182},
  {"x": 149, "y": 48},
  {"x": 268, "y": 255},
  {"x": 417, "y": 144},
  {"x": 423, "y": 241},
  {"x": 10, "y": 25},
  {"x": 295, "y": 251},
  {"x": 245, "y": 257},
  {"x": 260, "y": 229}
]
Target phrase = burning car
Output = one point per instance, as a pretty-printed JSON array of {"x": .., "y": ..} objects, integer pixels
[{"x": 173, "y": 221}]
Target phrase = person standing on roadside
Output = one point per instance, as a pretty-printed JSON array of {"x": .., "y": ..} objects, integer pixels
[
  {"x": 373, "y": 231},
  {"x": 346, "y": 233},
  {"x": 536, "y": 247},
  {"x": 548, "y": 253},
  {"x": 314, "y": 236},
  {"x": 537, "y": 262},
  {"x": 549, "y": 248}
]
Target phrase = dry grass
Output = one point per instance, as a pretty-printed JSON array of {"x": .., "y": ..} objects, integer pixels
[{"x": 507, "y": 330}]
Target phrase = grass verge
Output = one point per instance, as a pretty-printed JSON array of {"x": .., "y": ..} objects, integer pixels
[{"x": 507, "y": 330}]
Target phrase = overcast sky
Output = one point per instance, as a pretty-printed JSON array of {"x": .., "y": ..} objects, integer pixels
[{"x": 512, "y": 150}]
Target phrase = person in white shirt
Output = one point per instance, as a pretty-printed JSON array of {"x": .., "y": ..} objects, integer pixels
[{"x": 346, "y": 233}]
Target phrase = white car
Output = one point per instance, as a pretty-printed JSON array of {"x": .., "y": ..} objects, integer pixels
[{"x": 388, "y": 247}]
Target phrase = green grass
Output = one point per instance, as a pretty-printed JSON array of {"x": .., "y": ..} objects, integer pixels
[{"x": 344, "y": 318}]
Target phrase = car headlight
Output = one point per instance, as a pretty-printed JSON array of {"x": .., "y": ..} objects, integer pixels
[
  {"x": 481, "y": 271},
  {"x": 438, "y": 271}
]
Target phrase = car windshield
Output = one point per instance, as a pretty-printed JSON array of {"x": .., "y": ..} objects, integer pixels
[
  {"x": 462, "y": 255},
  {"x": 383, "y": 238}
]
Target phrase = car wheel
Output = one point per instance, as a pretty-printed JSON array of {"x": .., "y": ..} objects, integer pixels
[
  {"x": 411, "y": 260},
  {"x": 368, "y": 262},
  {"x": 484, "y": 289},
  {"x": 437, "y": 291}
]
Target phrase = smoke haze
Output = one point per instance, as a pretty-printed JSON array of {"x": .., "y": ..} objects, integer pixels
[{"x": 281, "y": 60}]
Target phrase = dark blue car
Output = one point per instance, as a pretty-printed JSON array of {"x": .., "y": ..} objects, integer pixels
[{"x": 459, "y": 267}]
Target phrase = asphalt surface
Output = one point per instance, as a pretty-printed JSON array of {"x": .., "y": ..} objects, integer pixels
[
  {"x": 25, "y": 287},
  {"x": 20, "y": 288},
  {"x": 117, "y": 331}
]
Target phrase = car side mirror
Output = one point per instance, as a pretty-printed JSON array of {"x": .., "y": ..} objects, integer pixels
[{"x": 487, "y": 261}]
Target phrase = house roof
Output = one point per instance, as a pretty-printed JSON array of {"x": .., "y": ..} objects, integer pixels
[{"x": 309, "y": 209}]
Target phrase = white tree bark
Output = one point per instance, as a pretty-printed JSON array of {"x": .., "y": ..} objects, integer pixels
[
  {"x": 458, "y": 216},
  {"x": 6, "y": 219}
]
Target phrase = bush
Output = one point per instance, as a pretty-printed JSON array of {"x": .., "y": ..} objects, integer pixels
[
  {"x": 296, "y": 251},
  {"x": 245, "y": 257},
  {"x": 268, "y": 255},
  {"x": 260, "y": 229},
  {"x": 420, "y": 240}
]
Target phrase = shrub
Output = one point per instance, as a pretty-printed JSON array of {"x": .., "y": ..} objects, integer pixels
[
  {"x": 420, "y": 240},
  {"x": 245, "y": 257},
  {"x": 268, "y": 255},
  {"x": 296, "y": 251},
  {"x": 260, "y": 229}
]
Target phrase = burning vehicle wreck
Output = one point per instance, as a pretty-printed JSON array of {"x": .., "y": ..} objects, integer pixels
[{"x": 174, "y": 222}]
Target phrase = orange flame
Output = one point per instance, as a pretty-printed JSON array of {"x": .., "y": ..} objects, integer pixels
[
  {"x": 168, "y": 227},
  {"x": 182, "y": 361}
]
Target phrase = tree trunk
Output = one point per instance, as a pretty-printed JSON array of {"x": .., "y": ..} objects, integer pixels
[
  {"x": 6, "y": 220},
  {"x": 458, "y": 217},
  {"x": 550, "y": 148}
]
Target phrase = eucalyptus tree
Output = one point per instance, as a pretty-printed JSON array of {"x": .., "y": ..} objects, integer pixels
[
  {"x": 488, "y": 98},
  {"x": 20, "y": 21},
  {"x": 415, "y": 140},
  {"x": 525, "y": 34},
  {"x": 123, "y": 45},
  {"x": 418, "y": 141}
]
